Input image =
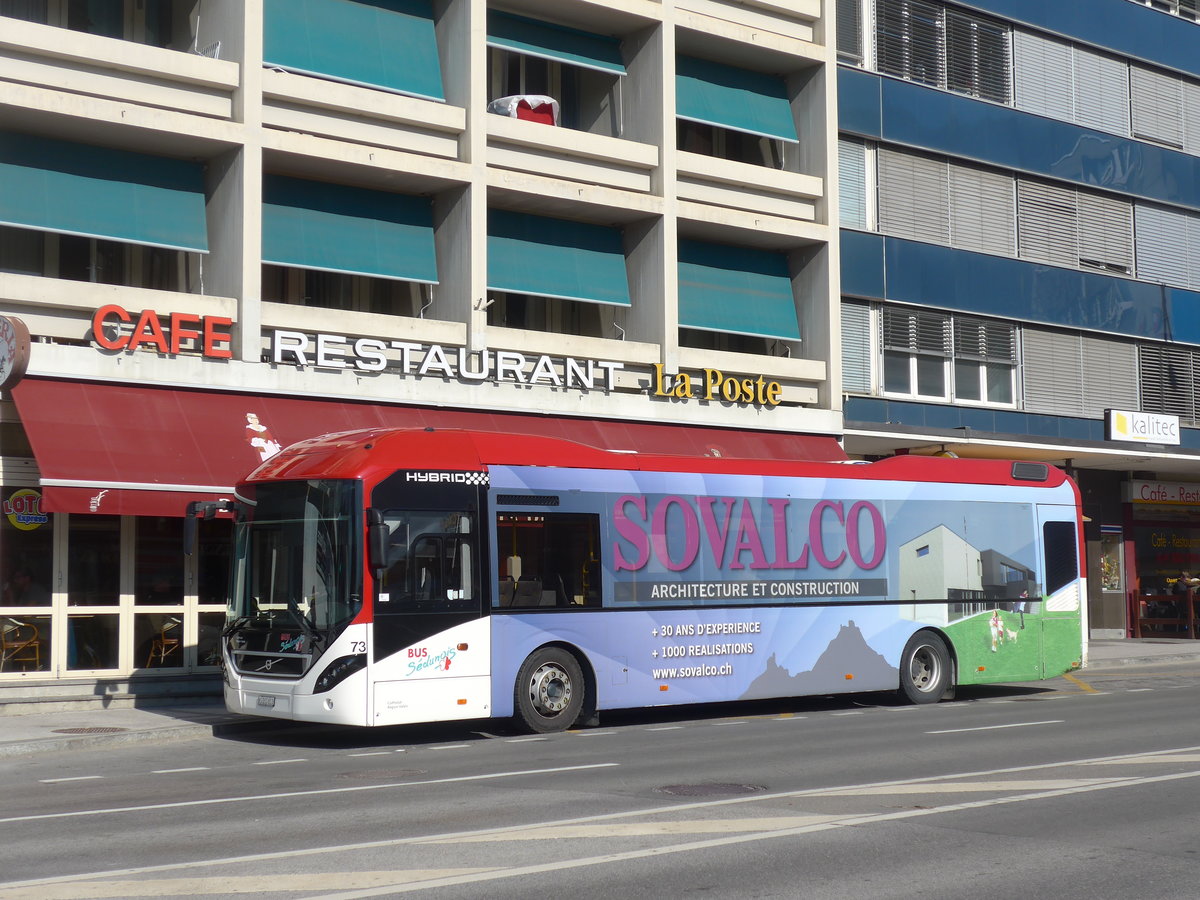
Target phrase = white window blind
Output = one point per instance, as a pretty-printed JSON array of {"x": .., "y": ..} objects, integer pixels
[
  {"x": 1043, "y": 76},
  {"x": 909, "y": 40},
  {"x": 1110, "y": 375},
  {"x": 977, "y": 57},
  {"x": 849, "y": 30},
  {"x": 1168, "y": 380},
  {"x": 852, "y": 184},
  {"x": 1105, "y": 232},
  {"x": 917, "y": 331},
  {"x": 856, "y": 347},
  {"x": 913, "y": 196},
  {"x": 1162, "y": 245},
  {"x": 1053, "y": 372},
  {"x": 1101, "y": 92},
  {"x": 1191, "y": 116},
  {"x": 1047, "y": 223},
  {"x": 1157, "y": 102},
  {"x": 982, "y": 210}
]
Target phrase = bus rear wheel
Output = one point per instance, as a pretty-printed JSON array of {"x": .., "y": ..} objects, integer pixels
[
  {"x": 925, "y": 668},
  {"x": 550, "y": 691}
]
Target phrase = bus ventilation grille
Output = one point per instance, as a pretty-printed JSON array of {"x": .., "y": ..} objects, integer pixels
[
  {"x": 526, "y": 500},
  {"x": 1030, "y": 471}
]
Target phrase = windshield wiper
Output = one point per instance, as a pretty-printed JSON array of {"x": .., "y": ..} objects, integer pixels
[
  {"x": 311, "y": 634},
  {"x": 235, "y": 625}
]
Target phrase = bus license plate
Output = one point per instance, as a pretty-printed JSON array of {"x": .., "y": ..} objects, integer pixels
[{"x": 266, "y": 701}]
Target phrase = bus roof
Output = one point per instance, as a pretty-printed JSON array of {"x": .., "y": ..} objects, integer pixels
[{"x": 374, "y": 452}]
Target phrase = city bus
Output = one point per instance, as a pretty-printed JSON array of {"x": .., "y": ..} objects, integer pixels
[{"x": 393, "y": 576}]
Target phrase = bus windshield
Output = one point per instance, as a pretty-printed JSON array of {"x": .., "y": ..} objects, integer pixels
[{"x": 297, "y": 556}]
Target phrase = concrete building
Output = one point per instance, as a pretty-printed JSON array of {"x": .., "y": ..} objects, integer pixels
[
  {"x": 1020, "y": 255},
  {"x": 233, "y": 224}
]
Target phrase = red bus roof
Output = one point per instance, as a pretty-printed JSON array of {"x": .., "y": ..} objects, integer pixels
[{"x": 374, "y": 452}]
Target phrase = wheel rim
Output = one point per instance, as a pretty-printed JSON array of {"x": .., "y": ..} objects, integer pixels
[
  {"x": 925, "y": 670},
  {"x": 550, "y": 689}
]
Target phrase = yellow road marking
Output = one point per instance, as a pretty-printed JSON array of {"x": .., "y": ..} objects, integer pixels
[{"x": 1080, "y": 683}]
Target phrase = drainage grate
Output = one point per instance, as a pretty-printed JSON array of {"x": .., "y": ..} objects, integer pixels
[
  {"x": 709, "y": 790},
  {"x": 89, "y": 730}
]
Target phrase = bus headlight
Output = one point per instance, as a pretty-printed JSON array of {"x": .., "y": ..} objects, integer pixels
[{"x": 339, "y": 670}]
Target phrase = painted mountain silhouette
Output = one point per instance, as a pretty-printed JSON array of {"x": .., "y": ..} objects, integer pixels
[{"x": 847, "y": 654}]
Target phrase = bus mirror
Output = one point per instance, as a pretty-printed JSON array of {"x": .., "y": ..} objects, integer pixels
[
  {"x": 201, "y": 509},
  {"x": 189, "y": 528},
  {"x": 377, "y": 540}
]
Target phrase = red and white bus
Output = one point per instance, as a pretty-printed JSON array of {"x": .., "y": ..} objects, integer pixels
[{"x": 394, "y": 576}]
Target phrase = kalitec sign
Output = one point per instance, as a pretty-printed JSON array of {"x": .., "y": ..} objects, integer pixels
[{"x": 1144, "y": 428}]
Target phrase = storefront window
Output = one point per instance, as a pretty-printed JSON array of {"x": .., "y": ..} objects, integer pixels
[
  {"x": 94, "y": 562},
  {"x": 208, "y": 642},
  {"x": 24, "y": 643},
  {"x": 1164, "y": 550},
  {"x": 214, "y": 548},
  {"x": 26, "y": 539},
  {"x": 158, "y": 561},
  {"x": 92, "y": 641},
  {"x": 158, "y": 640},
  {"x": 1112, "y": 548}
]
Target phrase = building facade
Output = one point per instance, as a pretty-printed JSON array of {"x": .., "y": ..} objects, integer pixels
[
  {"x": 233, "y": 224},
  {"x": 1020, "y": 253}
]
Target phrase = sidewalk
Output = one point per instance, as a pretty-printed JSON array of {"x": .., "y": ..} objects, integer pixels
[{"x": 51, "y": 732}]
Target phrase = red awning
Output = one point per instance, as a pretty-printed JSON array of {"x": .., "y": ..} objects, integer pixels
[{"x": 124, "y": 450}]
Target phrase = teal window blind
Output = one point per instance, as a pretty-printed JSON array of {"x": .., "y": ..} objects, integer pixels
[
  {"x": 334, "y": 228},
  {"x": 555, "y": 42},
  {"x": 377, "y": 43},
  {"x": 738, "y": 290},
  {"x": 738, "y": 99},
  {"x": 556, "y": 258},
  {"x": 70, "y": 188}
]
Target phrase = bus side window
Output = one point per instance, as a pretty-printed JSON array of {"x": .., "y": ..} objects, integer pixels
[
  {"x": 548, "y": 560},
  {"x": 1059, "y": 545}
]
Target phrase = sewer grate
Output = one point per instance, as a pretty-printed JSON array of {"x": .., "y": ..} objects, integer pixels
[
  {"x": 710, "y": 790},
  {"x": 95, "y": 730}
]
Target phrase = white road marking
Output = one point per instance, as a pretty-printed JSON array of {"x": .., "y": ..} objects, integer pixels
[
  {"x": 592, "y": 733},
  {"x": 850, "y": 712},
  {"x": 1139, "y": 690},
  {"x": 730, "y": 723},
  {"x": 316, "y": 792},
  {"x": 997, "y": 727},
  {"x": 524, "y": 740},
  {"x": 87, "y": 881},
  {"x": 451, "y": 747},
  {"x": 277, "y": 762},
  {"x": 374, "y": 753},
  {"x": 173, "y": 771},
  {"x": 648, "y": 829},
  {"x": 74, "y": 778},
  {"x": 666, "y": 728}
]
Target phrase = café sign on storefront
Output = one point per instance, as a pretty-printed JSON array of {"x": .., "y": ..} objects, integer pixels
[{"x": 1164, "y": 493}]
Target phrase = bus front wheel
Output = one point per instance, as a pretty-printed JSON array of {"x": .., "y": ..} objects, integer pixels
[
  {"x": 550, "y": 691},
  {"x": 925, "y": 668}
]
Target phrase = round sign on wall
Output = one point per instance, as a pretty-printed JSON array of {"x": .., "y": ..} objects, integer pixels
[{"x": 14, "y": 351}]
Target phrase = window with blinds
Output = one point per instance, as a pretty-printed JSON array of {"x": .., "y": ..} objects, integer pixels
[
  {"x": 928, "y": 43},
  {"x": 849, "y": 31},
  {"x": 1169, "y": 381},
  {"x": 1167, "y": 246},
  {"x": 1077, "y": 375},
  {"x": 856, "y": 347},
  {"x": 1156, "y": 99},
  {"x": 1101, "y": 92},
  {"x": 1061, "y": 226},
  {"x": 1043, "y": 76},
  {"x": 931, "y": 355},
  {"x": 985, "y": 360},
  {"x": 983, "y": 211},
  {"x": 916, "y": 353},
  {"x": 852, "y": 184},
  {"x": 914, "y": 197}
]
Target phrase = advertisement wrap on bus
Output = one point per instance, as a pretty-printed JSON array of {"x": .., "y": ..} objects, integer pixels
[{"x": 499, "y": 580}]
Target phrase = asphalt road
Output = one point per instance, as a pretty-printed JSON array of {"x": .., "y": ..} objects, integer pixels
[{"x": 1083, "y": 787}]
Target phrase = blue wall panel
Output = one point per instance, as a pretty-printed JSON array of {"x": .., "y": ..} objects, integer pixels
[
  {"x": 1117, "y": 25},
  {"x": 917, "y": 116},
  {"x": 891, "y": 268},
  {"x": 862, "y": 264},
  {"x": 872, "y": 411}
]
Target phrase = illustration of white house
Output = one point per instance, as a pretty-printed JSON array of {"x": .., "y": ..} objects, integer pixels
[{"x": 940, "y": 565}]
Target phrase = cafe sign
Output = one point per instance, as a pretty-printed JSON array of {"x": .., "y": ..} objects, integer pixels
[{"x": 1165, "y": 493}]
